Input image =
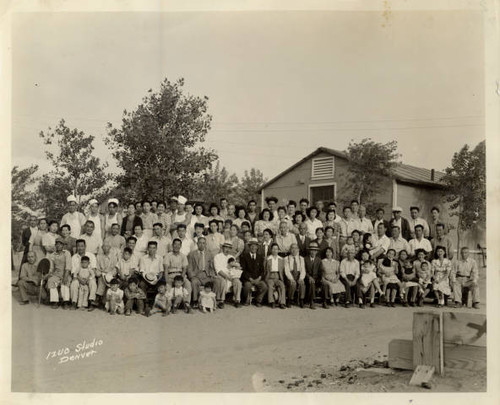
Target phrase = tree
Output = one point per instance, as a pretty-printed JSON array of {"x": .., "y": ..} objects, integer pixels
[
  {"x": 157, "y": 144},
  {"x": 75, "y": 169},
  {"x": 249, "y": 184},
  {"x": 465, "y": 184},
  {"x": 217, "y": 183},
  {"x": 370, "y": 163},
  {"x": 23, "y": 198}
]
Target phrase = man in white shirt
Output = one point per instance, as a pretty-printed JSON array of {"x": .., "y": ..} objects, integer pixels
[
  {"x": 398, "y": 243},
  {"x": 380, "y": 241},
  {"x": 348, "y": 223},
  {"x": 349, "y": 274},
  {"x": 96, "y": 218},
  {"x": 150, "y": 264},
  {"x": 416, "y": 220},
  {"x": 76, "y": 260},
  {"x": 284, "y": 239},
  {"x": 92, "y": 240},
  {"x": 420, "y": 242},
  {"x": 188, "y": 244},
  {"x": 365, "y": 225},
  {"x": 295, "y": 273},
  {"x": 221, "y": 268},
  {"x": 73, "y": 218},
  {"x": 163, "y": 242}
]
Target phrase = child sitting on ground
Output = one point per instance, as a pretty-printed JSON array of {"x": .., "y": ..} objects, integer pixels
[
  {"x": 348, "y": 247},
  {"x": 179, "y": 296},
  {"x": 114, "y": 298},
  {"x": 135, "y": 297},
  {"x": 83, "y": 276},
  {"x": 162, "y": 302},
  {"x": 424, "y": 281},
  {"x": 207, "y": 298}
]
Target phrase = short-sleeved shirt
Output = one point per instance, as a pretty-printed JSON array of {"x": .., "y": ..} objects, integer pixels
[
  {"x": 175, "y": 263},
  {"x": 61, "y": 262},
  {"x": 93, "y": 242},
  {"x": 416, "y": 244},
  {"x": 151, "y": 265},
  {"x": 76, "y": 260}
]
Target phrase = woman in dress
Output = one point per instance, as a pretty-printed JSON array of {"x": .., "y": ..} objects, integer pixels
[
  {"x": 409, "y": 278},
  {"x": 236, "y": 241},
  {"x": 298, "y": 218},
  {"x": 321, "y": 241},
  {"x": 36, "y": 245},
  {"x": 241, "y": 214},
  {"x": 331, "y": 221},
  {"x": 330, "y": 278},
  {"x": 312, "y": 222},
  {"x": 332, "y": 241},
  {"x": 388, "y": 270},
  {"x": 441, "y": 268},
  {"x": 265, "y": 222}
]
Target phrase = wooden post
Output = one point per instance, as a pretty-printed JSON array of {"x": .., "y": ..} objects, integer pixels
[{"x": 428, "y": 340}]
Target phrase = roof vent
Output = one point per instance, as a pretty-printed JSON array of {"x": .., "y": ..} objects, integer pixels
[{"x": 432, "y": 174}]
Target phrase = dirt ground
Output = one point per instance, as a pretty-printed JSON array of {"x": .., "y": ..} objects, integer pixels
[{"x": 234, "y": 350}]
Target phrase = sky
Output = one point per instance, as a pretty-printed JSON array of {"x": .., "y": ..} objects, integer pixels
[{"x": 280, "y": 84}]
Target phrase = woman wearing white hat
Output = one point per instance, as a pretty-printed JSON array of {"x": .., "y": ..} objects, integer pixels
[{"x": 73, "y": 218}]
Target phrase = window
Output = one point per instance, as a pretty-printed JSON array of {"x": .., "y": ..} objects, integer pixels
[
  {"x": 322, "y": 168},
  {"x": 323, "y": 192}
]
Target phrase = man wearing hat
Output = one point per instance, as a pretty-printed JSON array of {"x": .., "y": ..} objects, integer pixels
[
  {"x": 112, "y": 217},
  {"x": 252, "y": 264},
  {"x": 200, "y": 271},
  {"x": 96, "y": 218},
  {"x": 221, "y": 268},
  {"x": 73, "y": 218},
  {"x": 59, "y": 275},
  {"x": 313, "y": 273},
  {"x": 400, "y": 222}
]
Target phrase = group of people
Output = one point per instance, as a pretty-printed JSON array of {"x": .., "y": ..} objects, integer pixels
[{"x": 152, "y": 257}]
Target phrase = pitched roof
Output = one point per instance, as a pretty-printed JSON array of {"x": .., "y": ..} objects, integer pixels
[{"x": 403, "y": 173}]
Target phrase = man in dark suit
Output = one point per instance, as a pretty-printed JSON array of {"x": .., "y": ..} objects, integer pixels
[
  {"x": 303, "y": 240},
  {"x": 252, "y": 264},
  {"x": 379, "y": 219},
  {"x": 26, "y": 236},
  {"x": 401, "y": 222},
  {"x": 313, "y": 273},
  {"x": 200, "y": 271}
]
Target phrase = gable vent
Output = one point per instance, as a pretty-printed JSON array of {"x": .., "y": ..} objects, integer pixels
[{"x": 323, "y": 168}]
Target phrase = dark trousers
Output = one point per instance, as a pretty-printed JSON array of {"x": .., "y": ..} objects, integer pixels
[
  {"x": 311, "y": 289},
  {"x": 139, "y": 304},
  {"x": 350, "y": 291},
  {"x": 371, "y": 291},
  {"x": 27, "y": 288},
  {"x": 261, "y": 290}
]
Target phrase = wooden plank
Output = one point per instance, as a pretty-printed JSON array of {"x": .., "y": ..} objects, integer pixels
[
  {"x": 422, "y": 374},
  {"x": 464, "y": 328},
  {"x": 469, "y": 299},
  {"x": 463, "y": 357},
  {"x": 427, "y": 340},
  {"x": 401, "y": 354}
]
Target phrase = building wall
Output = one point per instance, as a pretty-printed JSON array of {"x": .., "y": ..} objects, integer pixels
[{"x": 294, "y": 185}]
